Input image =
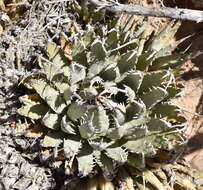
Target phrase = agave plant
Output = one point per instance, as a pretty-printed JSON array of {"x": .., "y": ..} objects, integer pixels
[{"x": 106, "y": 103}]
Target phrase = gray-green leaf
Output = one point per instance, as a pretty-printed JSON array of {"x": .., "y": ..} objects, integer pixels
[
  {"x": 98, "y": 50},
  {"x": 71, "y": 147},
  {"x": 52, "y": 139},
  {"x": 76, "y": 111},
  {"x": 77, "y": 73},
  {"x": 85, "y": 164},
  {"x": 154, "y": 97},
  {"x": 67, "y": 126},
  {"x": 49, "y": 94},
  {"x": 118, "y": 154},
  {"x": 51, "y": 120}
]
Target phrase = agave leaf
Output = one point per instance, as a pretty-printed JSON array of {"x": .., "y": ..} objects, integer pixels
[
  {"x": 144, "y": 37},
  {"x": 169, "y": 112},
  {"x": 100, "y": 121},
  {"x": 49, "y": 94},
  {"x": 134, "y": 109},
  {"x": 137, "y": 121},
  {"x": 152, "y": 79},
  {"x": 133, "y": 79},
  {"x": 174, "y": 90},
  {"x": 168, "y": 61},
  {"x": 49, "y": 68},
  {"x": 118, "y": 154},
  {"x": 112, "y": 38},
  {"x": 85, "y": 163},
  {"x": 149, "y": 143},
  {"x": 173, "y": 61},
  {"x": 30, "y": 99},
  {"x": 89, "y": 93},
  {"x": 120, "y": 112},
  {"x": 60, "y": 82},
  {"x": 78, "y": 49},
  {"x": 81, "y": 59},
  {"x": 86, "y": 128},
  {"x": 130, "y": 93},
  {"x": 145, "y": 60},
  {"x": 94, "y": 124},
  {"x": 77, "y": 73},
  {"x": 100, "y": 66},
  {"x": 35, "y": 112},
  {"x": 142, "y": 24},
  {"x": 164, "y": 38},
  {"x": 111, "y": 88},
  {"x": 116, "y": 133},
  {"x": 56, "y": 56},
  {"x": 52, "y": 139},
  {"x": 76, "y": 111},
  {"x": 33, "y": 108},
  {"x": 71, "y": 147},
  {"x": 69, "y": 92},
  {"x": 67, "y": 126},
  {"x": 110, "y": 73},
  {"x": 107, "y": 165},
  {"x": 88, "y": 37},
  {"x": 142, "y": 145},
  {"x": 158, "y": 125},
  {"x": 100, "y": 144},
  {"x": 51, "y": 120},
  {"x": 96, "y": 68},
  {"x": 131, "y": 129},
  {"x": 98, "y": 50},
  {"x": 153, "y": 97},
  {"x": 165, "y": 110},
  {"x": 127, "y": 61},
  {"x": 136, "y": 160}
]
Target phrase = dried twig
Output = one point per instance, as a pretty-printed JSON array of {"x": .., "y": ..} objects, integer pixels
[{"x": 175, "y": 13}]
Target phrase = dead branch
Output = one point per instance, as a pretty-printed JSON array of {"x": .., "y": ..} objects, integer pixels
[{"x": 174, "y": 13}]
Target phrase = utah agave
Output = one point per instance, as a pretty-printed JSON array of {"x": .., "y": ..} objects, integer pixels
[{"x": 107, "y": 103}]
